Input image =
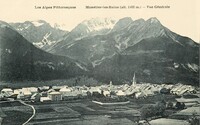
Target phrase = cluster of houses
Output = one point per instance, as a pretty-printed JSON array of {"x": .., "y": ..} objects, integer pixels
[{"x": 57, "y": 93}]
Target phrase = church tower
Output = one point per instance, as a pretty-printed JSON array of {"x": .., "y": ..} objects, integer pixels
[{"x": 134, "y": 80}]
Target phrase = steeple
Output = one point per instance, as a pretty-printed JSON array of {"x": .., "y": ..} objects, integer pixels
[
  {"x": 134, "y": 80},
  {"x": 110, "y": 83}
]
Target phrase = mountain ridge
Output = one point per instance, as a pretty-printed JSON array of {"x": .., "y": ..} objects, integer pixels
[
  {"x": 20, "y": 60},
  {"x": 145, "y": 47},
  {"x": 39, "y": 32}
]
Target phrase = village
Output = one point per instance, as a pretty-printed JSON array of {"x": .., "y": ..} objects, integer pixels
[
  {"x": 59, "y": 93},
  {"x": 104, "y": 102}
]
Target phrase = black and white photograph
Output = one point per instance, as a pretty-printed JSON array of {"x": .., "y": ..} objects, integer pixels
[{"x": 73, "y": 62}]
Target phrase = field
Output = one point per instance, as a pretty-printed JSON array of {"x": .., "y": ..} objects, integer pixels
[
  {"x": 14, "y": 113},
  {"x": 187, "y": 113},
  {"x": 189, "y": 100},
  {"x": 83, "y": 112},
  {"x": 79, "y": 112},
  {"x": 164, "y": 121}
]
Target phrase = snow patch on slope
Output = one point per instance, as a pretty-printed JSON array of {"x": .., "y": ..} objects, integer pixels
[
  {"x": 154, "y": 20},
  {"x": 97, "y": 24},
  {"x": 98, "y": 62},
  {"x": 44, "y": 41},
  {"x": 193, "y": 67},
  {"x": 36, "y": 23},
  {"x": 59, "y": 26},
  {"x": 79, "y": 65}
]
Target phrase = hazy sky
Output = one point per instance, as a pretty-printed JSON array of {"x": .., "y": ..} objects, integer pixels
[{"x": 182, "y": 17}]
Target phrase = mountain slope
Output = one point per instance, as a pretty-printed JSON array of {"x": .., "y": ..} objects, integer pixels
[
  {"x": 20, "y": 60},
  {"x": 87, "y": 28},
  {"x": 122, "y": 48},
  {"x": 122, "y": 23},
  {"x": 147, "y": 48},
  {"x": 154, "y": 60},
  {"x": 94, "y": 49},
  {"x": 40, "y": 33}
]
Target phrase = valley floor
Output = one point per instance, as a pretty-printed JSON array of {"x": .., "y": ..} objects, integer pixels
[{"x": 82, "y": 112}]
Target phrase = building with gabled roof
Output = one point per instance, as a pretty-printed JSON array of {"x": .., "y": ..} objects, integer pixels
[
  {"x": 121, "y": 93},
  {"x": 65, "y": 90},
  {"x": 7, "y": 92},
  {"x": 55, "y": 96},
  {"x": 140, "y": 94}
]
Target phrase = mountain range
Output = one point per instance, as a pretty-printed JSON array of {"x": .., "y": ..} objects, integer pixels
[
  {"x": 21, "y": 60},
  {"x": 112, "y": 50}
]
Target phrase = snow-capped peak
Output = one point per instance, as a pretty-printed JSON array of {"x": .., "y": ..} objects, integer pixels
[
  {"x": 97, "y": 24},
  {"x": 37, "y": 23}
]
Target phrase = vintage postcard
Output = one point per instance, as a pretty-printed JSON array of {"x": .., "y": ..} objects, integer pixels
[{"x": 99, "y": 62}]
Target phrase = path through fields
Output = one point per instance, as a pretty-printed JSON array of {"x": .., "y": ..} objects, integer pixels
[{"x": 32, "y": 114}]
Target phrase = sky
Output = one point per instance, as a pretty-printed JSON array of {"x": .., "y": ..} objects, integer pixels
[{"x": 182, "y": 17}]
